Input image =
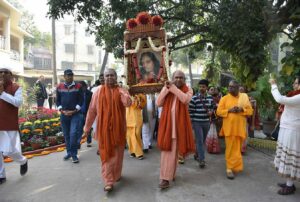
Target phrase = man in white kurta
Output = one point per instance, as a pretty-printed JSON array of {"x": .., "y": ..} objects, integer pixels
[
  {"x": 10, "y": 101},
  {"x": 148, "y": 123}
]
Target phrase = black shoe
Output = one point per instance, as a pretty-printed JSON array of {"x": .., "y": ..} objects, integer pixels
[
  {"x": 202, "y": 164},
  {"x": 2, "y": 180},
  {"x": 98, "y": 152},
  {"x": 67, "y": 157},
  {"x": 132, "y": 155},
  {"x": 145, "y": 150},
  {"x": 24, "y": 168},
  {"x": 282, "y": 185},
  {"x": 150, "y": 146},
  {"x": 75, "y": 159},
  {"x": 89, "y": 145}
]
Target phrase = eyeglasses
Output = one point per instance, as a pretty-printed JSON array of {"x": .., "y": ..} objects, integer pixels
[
  {"x": 232, "y": 86},
  {"x": 4, "y": 72}
]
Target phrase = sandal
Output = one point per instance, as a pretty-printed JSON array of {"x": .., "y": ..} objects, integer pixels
[
  {"x": 230, "y": 174},
  {"x": 164, "y": 184},
  {"x": 286, "y": 190},
  {"x": 282, "y": 185},
  {"x": 108, "y": 188}
]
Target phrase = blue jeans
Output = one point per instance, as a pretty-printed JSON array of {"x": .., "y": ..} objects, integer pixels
[
  {"x": 70, "y": 126},
  {"x": 80, "y": 131},
  {"x": 201, "y": 130},
  {"x": 40, "y": 102}
]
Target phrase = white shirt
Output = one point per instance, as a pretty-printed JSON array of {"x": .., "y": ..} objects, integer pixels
[
  {"x": 290, "y": 118},
  {"x": 16, "y": 100},
  {"x": 10, "y": 140}
]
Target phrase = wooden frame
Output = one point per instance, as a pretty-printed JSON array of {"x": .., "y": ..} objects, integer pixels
[{"x": 145, "y": 58}]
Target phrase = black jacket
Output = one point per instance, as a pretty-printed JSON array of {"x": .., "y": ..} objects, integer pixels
[{"x": 41, "y": 92}]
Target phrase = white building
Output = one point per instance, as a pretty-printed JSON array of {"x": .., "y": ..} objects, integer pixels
[
  {"x": 11, "y": 38},
  {"x": 76, "y": 49}
]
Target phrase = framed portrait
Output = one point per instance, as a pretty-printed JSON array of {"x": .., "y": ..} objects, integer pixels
[{"x": 145, "y": 56}]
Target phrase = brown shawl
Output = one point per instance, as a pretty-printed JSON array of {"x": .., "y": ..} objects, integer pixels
[
  {"x": 111, "y": 127},
  {"x": 184, "y": 132}
]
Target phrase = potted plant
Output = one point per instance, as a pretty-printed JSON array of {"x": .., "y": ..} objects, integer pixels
[
  {"x": 266, "y": 104},
  {"x": 36, "y": 142}
]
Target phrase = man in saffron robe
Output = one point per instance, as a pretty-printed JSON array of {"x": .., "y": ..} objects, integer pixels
[
  {"x": 175, "y": 134},
  {"x": 234, "y": 108},
  {"x": 134, "y": 121},
  {"x": 108, "y": 105}
]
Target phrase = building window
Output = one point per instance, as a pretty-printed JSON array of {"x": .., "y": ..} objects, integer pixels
[
  {"x": 47, "y": 63},
  {"x": 66, "y": 65},
  {"x": 38, "y": 63},
  {"x": 90, "y": 50},
  {"x": 67, "y": 29},
  {"x": 42, "y": 63},
  {"x": 90, "y": 67},
  {"x": 69, "y": 48}
]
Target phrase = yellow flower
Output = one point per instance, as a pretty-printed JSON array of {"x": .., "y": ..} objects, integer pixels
[
  {"x": 27, "y": 123},
  {"x": 37, "y": 122},
  {"x": 25, "y": 131},
  {"x": 38, "y": 130},
  {"x": 47, "y": 127}
]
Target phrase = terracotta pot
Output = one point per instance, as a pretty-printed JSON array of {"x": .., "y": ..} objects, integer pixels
[
  {"x": 52, "y": 140},
  {"x": 36, "y": 146}
]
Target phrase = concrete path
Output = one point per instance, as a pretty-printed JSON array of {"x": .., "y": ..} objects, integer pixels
[{"x": 50, "y": 179}]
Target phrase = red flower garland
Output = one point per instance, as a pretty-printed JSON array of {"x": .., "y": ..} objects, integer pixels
[
  {"x": 157, "y": 20},
  {"x": 143, "y": 18},
  {"x": 131, "y": 23}
]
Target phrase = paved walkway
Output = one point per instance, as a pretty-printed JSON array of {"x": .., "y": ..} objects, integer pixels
[{"x": 50, "y": 179}]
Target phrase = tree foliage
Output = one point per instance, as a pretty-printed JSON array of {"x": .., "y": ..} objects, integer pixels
[
  {"x": 239, "y": 28},
  {"x": 286, "y": 17}
]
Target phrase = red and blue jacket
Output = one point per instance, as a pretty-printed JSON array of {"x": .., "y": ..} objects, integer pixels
[{"x": 69, "y": 96}]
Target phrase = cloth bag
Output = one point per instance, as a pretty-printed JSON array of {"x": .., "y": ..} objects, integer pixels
[{"x": 212, "y": 141}]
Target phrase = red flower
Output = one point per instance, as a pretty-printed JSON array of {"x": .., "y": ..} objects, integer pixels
[
  {"x": 157, "y": 20},
  {"x": 131, "y": 23},
  {"x": 143, "y": 18}
]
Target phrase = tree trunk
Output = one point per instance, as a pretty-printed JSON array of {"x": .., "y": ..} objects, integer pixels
[
  {"x": 105, "y": 58},
  {"x": 54, "y": 80},
  {"x": 190, "y": 69}
]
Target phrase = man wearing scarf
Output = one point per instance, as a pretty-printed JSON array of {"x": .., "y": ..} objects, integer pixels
[
  {"x": 234, "y": 108},
  {"x": 108, "y": 105},
  {"x": 10, "y": 101},
  {"x": 175, "y": 134}
]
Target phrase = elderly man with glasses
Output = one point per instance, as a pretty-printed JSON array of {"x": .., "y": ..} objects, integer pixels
[
  {"x": 10, "y": 101},
  {"x": 234, "y": 108}
]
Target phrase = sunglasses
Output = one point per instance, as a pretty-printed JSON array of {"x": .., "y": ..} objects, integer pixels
[{"x": 4, "y": 72}]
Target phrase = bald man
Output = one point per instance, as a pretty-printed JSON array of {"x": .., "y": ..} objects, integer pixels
[
  {"x": 175, "y": 129},
  {"x": 234, "y": 108},
  {"x": 108, "y": 105}
]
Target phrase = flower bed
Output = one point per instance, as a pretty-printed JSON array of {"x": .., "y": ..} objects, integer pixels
[{"x": 40, "y": 128}]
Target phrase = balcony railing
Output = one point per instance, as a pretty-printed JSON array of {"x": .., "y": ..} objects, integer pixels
[
  {"x": 2, "y": 42},
  {"x": 14, "y": 55}
]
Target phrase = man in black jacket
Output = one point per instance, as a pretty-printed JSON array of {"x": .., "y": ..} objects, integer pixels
[
  {"x": 41, "y": 93},
  {"x": 87, "y": 97}
]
